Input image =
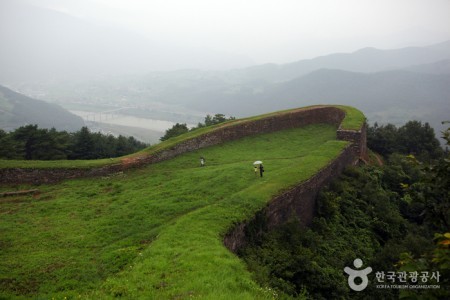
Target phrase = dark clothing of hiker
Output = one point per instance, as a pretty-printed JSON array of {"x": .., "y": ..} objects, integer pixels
[{"x": 261, "y": 170}]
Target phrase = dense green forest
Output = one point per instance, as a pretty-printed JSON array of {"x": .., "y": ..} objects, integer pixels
[
  {"x": 33, "y": 143},
  {"x": 412, "y": 138},
  {"x": 395, "y": 217}
]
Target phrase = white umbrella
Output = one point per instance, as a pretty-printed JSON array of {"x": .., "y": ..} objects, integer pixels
[{"x": 258, "y": 162}]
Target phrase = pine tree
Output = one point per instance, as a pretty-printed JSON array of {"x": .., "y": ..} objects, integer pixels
[
  {"x": 176, "y": 130},
  {"x": 83, "y": 147}
]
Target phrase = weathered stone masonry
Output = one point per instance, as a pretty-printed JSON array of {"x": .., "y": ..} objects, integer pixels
[
  {"x": 237, "y": 130},
  {"x": 300, "y": 200}
]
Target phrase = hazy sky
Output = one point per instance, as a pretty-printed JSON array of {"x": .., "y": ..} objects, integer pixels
[{"x": 276, "y": 31}]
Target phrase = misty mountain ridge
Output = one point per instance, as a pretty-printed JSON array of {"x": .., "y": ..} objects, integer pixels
[
  {"x": 394, "y": 96},
  {"x": 388, "y": 85},
  {"x": 18, "y": 110},
  {"x": 47, "y": 45},
  {"x": 368, "y": 91},
  {"x": 366, "y": 60},
  {"x": 371, "y": 91},
  {"x": 439, "y": 67},
  {"x": 243, "y": 92}
]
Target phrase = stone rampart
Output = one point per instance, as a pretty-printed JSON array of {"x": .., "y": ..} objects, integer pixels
[
  {"x": 227, "y": 132},
  {"x": 298, "y": 202}
]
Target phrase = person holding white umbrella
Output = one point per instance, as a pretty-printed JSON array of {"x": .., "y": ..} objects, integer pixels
[{"x": 261, "y": 168}]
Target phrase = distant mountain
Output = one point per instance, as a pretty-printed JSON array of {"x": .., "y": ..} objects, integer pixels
[
  {"x": 439, "y": 67},
  {"x": 39, "y": 44},
  {"x": 368, "y": 91},
  {"x": 366, "y": 60},
  {"x": 18, "y": 110},
  {"x": 394, "y": 96},
  {"x": 371, "y": 92},
  {"x": 388, "y": 85},
  {"x": 385, "y": 97}
]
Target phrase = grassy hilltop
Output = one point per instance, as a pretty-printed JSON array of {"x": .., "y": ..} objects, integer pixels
[{"x": 156, "y": 232}]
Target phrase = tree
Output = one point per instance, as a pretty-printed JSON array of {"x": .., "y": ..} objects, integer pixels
[
  {"x": 176, "y": 130},
  {"x": 209, "y": 120},
  {"x": 9, "y": 147},
  {"x": 60, "y": 143},
  {"x": 35, "y": 143},
  {"x": 435, "y": 261},
  {"x": 83, "y": 146},
  {"x": 110, "y": 146},
  {"x": 218, "y": 118},
  {"x": 419, "y": 139},
  {"x": 31, "y": 142},
  {"x": 433, "y": 192},
  {"x": 27, "y": 137},
  {"x": 123, "y": 146},
  {"x": 412, "y": 138},
  {"x": 382, "y": 139}
]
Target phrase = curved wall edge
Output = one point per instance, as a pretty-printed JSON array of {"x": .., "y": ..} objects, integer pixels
[{"x": 275, "y": 122}]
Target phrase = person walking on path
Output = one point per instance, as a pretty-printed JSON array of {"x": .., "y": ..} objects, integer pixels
[
  {"x": 202, "y": 161},
  {"x": 261, "y": 170}
]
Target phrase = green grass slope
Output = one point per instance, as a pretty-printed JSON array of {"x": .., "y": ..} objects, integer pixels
[
  {"x": 156, "y": 232},
  {"x": 353, "y": 121}
]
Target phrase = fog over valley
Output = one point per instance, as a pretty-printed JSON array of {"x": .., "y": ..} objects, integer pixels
[
  {"x": 212, "y": 149},
  {"x": 130, "y": 67}
]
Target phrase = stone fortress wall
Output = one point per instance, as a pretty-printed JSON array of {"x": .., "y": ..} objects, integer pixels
[
  {"x": 298, "y": 201},
  {"x": 227, "y": 132}
]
